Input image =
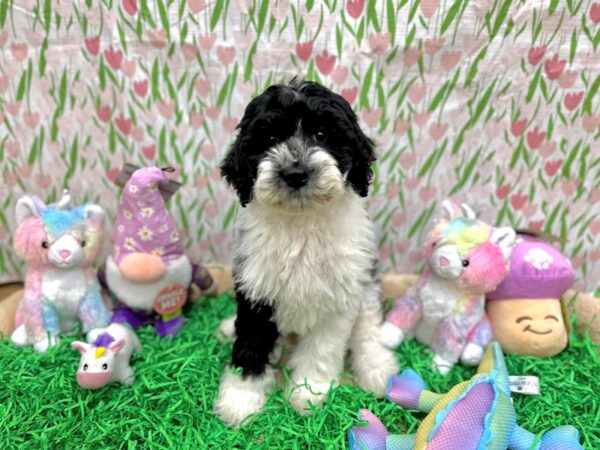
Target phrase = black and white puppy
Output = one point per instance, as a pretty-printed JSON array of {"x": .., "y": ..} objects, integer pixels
[{"x": 305, "y": 249}]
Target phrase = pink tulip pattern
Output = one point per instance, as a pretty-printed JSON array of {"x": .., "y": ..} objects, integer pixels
[{"x": 462, "y": 101}]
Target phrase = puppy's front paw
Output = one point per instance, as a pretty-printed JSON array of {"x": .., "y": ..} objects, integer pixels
[
  {"x": 390, "y": 335},
  {"x": 303, "y": 394},
  {"x": 240, "y": 397},
  {"x": 471, "y": 354},
  {"x": 373, "y": 372}
]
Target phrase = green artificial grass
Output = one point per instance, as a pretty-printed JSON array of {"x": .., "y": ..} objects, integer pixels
[{"x": 170, "y": 404}]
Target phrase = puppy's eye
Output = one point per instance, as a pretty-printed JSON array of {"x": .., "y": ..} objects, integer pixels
[
  {"x": 273, "y": 140},
  {"x": 83, "y": 243},
  {"x": 104, "y": 366},
  {"x": 465, "y": 262},
  {"x": 85, "y": 367},
  {"x": 320, "y": 135},
  {"x": 45, "y": 244}
]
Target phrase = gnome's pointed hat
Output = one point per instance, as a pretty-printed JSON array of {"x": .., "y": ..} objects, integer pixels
[{"x": 143, "y": 222}]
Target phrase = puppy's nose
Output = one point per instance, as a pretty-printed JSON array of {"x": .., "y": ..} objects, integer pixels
[{"x": 295, "y": 176}]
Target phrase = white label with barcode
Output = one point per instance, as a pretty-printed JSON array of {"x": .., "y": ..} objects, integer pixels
[{"x": 528, "y": 385}]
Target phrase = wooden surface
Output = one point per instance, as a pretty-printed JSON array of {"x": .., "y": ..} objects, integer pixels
[{"x": 10, "y": 296}]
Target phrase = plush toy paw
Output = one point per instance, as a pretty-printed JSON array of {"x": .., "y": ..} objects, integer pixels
[
  {"x": 441, "y": 364},
  {"x": 471, "y": 354},
  {"x": 19, "y": 336},
  {"x": 391, "y": 336},
  {"x": 43, "y": 345},
  {"x": 240, "y": 397},
  {"x": 307, "y": 393}
]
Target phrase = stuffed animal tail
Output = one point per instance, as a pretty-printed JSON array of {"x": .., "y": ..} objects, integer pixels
[{"x": 405, "y": 389}]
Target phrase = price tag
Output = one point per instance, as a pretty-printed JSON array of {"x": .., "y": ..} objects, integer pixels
[
  {"x": 528, "y": 385},
  {"x": 170, "y": 299}
]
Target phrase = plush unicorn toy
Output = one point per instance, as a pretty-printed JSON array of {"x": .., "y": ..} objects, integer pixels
[
  {"x": 105, "y": 357},
  {"x": 445, "y": 309},
  {"x": 59, "y": 243}
]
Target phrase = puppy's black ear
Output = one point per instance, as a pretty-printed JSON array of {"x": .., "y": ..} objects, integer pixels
[
  {"x": 361, "y": 174},
  {"x": 235, "y": 169},
  {"x": 238, "y": 167},
  {"x": 363, "y": 154}
]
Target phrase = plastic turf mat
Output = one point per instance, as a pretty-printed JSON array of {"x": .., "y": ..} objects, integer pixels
[{"x": 170, "y": 403}]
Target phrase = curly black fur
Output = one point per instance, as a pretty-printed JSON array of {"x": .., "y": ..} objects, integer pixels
[
  {"x": 274, "y": 116},
  {"x": 256, "y": 335}
]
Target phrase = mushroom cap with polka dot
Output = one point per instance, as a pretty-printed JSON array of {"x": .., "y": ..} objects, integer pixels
[{"x": 537, "y": 271}]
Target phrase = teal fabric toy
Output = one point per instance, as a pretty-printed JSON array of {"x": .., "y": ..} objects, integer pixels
[{"x": 477, "y": 414}]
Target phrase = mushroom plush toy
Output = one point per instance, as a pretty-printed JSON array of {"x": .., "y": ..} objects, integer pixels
[{"x": 525, "y": 309}]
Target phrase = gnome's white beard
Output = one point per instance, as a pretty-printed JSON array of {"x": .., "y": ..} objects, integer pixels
[{"x": 142, "y": 295}]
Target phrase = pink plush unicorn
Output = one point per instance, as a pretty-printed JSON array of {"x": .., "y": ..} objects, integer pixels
[
  {"x": 59, "y": 243},
  {"x": 106, "y": 356},
  {"x": 445, "y": 309}
]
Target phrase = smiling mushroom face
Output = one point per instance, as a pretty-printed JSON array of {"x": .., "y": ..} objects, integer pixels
[{"x": 529, "y": 327}]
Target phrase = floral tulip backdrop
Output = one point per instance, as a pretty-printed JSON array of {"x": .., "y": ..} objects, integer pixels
[{"x": 495, "y": 102}]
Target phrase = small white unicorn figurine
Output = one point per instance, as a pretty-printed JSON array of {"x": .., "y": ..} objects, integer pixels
[{"x": 105, "y": 358}]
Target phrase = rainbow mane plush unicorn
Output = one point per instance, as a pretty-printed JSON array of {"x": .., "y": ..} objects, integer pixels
[
  {"x": 445, "y": 309},
  {"x": 106, "y": 356},
  {"x": 475, "y": 414},
  {"x": 59, "y": 243}
]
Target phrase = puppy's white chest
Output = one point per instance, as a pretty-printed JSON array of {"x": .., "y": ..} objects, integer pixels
[
  {"x": 307, "y": 270},
  {"x": 308, "y": 285},
  {"x": 65, "y": 289}
]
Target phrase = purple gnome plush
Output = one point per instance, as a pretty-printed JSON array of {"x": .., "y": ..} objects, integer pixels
[{"x": 148, "y": 273}]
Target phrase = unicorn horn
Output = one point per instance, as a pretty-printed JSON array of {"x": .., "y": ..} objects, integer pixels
[
  {"x": 65, "y": 201},
  {"x": 467, "y": 211}
]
